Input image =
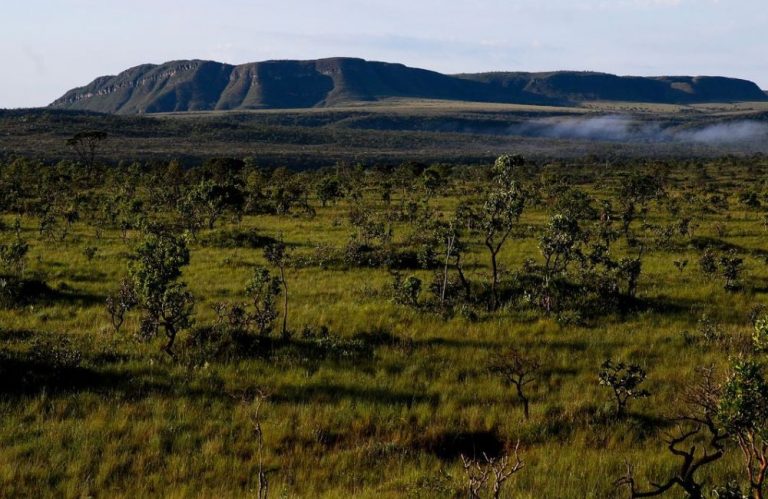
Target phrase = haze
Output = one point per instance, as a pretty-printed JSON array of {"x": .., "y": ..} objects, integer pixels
[{"x": 51, "y": 46}]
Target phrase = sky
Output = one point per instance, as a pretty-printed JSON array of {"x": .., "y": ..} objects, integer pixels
[{"x": 51, "y": 46}]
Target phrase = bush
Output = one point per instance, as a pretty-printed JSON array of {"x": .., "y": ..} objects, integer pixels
[
  {"x": 406, "y": 291},
  {"x": 708, "y": 263},
  {"x": 221, "y": 342},
  {"x": 55, "y": 351},
  {"x": 760, "y": 334}
]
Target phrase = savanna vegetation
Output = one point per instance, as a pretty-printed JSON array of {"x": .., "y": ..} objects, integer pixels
[{"x": 518, "y": 328}]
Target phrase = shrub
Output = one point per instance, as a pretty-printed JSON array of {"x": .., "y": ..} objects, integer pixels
[
  {"x": 262, "y": 289},
  {"x": 708, "y": 263},
  {"x": 165, "y": 302},
  {"x": 760, "y": 334},
  {"x": 13, "y": 256},
  {"x": 406, "y": 291},
  {"x": 55, "y": 351},
  {"x": 624, "y": 380}
]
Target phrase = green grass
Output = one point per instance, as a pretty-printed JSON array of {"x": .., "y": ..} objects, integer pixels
[{"x": 142, "y": 425}]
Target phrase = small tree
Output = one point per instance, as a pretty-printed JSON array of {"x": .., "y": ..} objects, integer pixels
[
  {"x": 263, "y": 290},
  {"x": 625, "y": 381},
  {"x": 708, "y": 263},
  {"x": 329, "y": 190},
  {"x": 449, "y": 237},
  {"x": 730, "y": 268},
  {"x": 743, "y": 412},
  {"x": 760, "y": 334},
  {"x": 560, "y": 246},
  {"x": 637, "y": 191},
  {"x": 276, "y": 254},
  {"x": 13, "y": 257},
  {"x": 85, "y": 144},
  {"x": 497, "y": 216},
  {"x": 629, "y": 270},
  {"x": 121, "y": 302},
  {"x": 518, "y": 370},
  {"x": 165, "y": 301},
  {"x": 214, "y": 198}
]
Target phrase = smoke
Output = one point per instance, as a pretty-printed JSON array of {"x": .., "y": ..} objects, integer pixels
[
  {"x": 739, "y": 131},
  {"x": 620, "y": 128}
]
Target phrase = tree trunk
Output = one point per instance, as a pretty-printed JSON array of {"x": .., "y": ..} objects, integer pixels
[
  {"x": 445, "y": 271},
  {"x": 285, "y": 302},
  {"x": 170, "y": 331},
  {"x": 494, "y": 281}
]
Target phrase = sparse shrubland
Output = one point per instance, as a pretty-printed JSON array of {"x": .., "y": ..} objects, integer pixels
[{"x": 518, "y": 329}]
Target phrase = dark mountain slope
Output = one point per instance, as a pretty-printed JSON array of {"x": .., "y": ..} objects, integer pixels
[
  {"x": 205, "y": 86},
  {"x": 586, "y": 86}
]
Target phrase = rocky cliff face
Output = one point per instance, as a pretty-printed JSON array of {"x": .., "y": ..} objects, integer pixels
[{"x": 197, "y": 85}]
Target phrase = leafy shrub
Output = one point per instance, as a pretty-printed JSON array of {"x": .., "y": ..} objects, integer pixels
[
  {"x": 90, "y": 252},
  {"x": 13, "y": 256},
  {"x": 708, "y": 263},
  {"x": 55, "y": 351},
  {"x": 406, "y": 291},
  {"x": 321, "y": 344},
  {"x": 760, "y": 334},
  {"x": 624, "y": 380}
]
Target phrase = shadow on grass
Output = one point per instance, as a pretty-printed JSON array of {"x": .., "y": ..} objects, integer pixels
[
  {"x": 704, "y": 242},
  {"x": 661, "y": 304},
  {"x": 71, "y": 297},
  {"x": 326, "y": 393},
  {"x": 235, "y": 238},
  {"x": 20, "y": 376},
  {"x": 36, "y": 291},
  {"x": 452, "y": 445},
  {"x": 12, "y": 335},
  {"x": 23, "y": 375}
]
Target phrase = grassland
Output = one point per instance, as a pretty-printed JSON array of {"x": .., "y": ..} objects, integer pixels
[{"x": 386, "y": 408}]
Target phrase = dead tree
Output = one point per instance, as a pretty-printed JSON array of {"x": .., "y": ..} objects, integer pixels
[
  {"x": 702, "y": 400},
  {"x": 259, "y": 433},
  {"x": 477, "y": 476},
  {"x": 479, "y": 473},
  {"x": 254, "y": 401}
]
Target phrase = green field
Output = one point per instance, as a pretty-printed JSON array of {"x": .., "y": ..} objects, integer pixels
[{"x": 368, "y": 395}]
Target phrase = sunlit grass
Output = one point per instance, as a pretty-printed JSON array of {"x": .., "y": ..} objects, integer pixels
[{"x": 147, "y": 426}]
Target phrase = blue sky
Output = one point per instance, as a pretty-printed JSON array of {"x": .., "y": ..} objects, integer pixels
[{"x": 50, "y": 46}]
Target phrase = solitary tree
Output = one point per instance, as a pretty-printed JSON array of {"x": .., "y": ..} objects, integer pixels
[
  {"x": 560, "y": 246},
  {"x": 498, "y": 216},
  {"x": 85, "y": 144},
  {"x": 518, "y": 370},
  {"x": 263, "y": 289},
  {"x": 329, "y": 190},
  {"x": 624, "y": 380},
  {"x": 155, "y": 273},
  {"x": 276, "y": 254}
]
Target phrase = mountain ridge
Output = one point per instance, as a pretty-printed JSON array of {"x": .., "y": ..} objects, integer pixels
[{"x": 200, "y": 85}]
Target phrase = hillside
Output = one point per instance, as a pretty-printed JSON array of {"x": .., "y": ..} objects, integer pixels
[
  {"x": 208, "y": 86},
  {"x": 589, "y": 86}
]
